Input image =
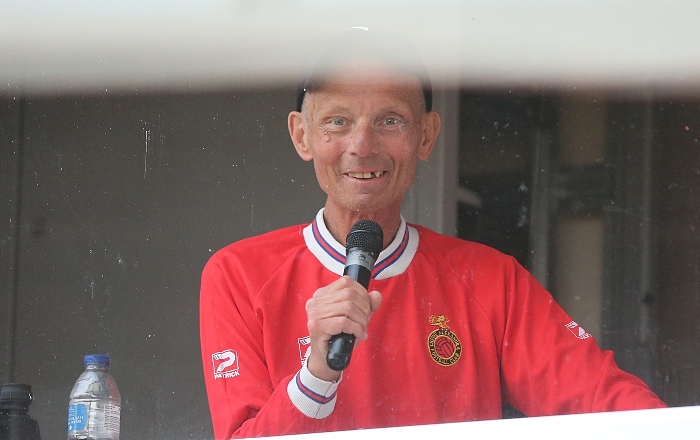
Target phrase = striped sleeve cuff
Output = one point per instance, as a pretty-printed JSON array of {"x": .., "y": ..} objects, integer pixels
[{"x": 314, "y": 397}]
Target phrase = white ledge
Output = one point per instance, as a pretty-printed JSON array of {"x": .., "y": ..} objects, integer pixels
[{"x": 668, "y": 423}]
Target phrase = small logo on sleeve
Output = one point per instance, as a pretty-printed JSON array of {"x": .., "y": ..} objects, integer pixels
[
  {"x": 304, "y": 348},
  {"x": 444, "y": 346},
  {"x": 577, "y": 330},
  {"x": 225, "y": 364}
]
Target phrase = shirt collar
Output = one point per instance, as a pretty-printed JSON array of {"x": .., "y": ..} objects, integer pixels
[{"x": 392, "y": 261}]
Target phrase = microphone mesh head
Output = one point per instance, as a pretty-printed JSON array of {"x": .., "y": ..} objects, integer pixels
[{"x": 366, "y": 234}]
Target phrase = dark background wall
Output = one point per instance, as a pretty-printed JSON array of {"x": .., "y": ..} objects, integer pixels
[
  {"x": 122, "y": 201},
  {"x": 679, "y": 250}
]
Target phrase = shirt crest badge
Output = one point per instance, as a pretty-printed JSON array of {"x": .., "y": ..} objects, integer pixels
[{"x": 444, "y": 346}]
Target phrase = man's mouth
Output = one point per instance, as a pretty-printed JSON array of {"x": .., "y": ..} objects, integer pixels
[{"x": 366, "y": 175}]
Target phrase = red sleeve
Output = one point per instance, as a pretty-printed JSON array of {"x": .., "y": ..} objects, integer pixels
[
  {"x": 550, "y": 365},
  {"x": 242, "y": 398}
]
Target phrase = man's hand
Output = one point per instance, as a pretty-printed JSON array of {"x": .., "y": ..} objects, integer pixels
[{"x": 343, "y": 306}]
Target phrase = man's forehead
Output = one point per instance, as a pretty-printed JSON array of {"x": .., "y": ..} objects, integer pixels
[{"x": 385, "y": 87}]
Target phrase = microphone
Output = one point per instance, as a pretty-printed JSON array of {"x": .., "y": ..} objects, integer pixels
[{"x": 363, "y": 245}]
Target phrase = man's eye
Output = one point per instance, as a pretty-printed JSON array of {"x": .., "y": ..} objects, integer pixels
[
  {"x": 338, "y": 121},
  {"x": 391, "y": 121}
]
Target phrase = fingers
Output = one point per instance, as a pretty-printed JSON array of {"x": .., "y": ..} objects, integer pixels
[{"x": 343, "y": 306}]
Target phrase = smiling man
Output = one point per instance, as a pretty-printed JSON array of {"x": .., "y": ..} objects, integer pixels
[
  {"x": 364, "y": 128},
  {"x": 458, "y": 328}
]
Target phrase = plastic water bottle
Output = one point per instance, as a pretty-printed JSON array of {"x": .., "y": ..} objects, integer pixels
[{"x": 95, "y": 403}]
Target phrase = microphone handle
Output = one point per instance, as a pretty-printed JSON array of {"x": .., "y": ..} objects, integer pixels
[
  {"x": 358, "y": 273},
  {"x": 341, "y": 345}
]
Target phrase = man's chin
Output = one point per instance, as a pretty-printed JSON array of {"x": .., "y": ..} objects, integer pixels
[{"x": 368, "y": 205}]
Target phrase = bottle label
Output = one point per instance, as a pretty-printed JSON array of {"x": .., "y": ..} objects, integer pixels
[
  {"x": 77, "y": 417},
  {"x": 93, "y": 420},
  {"x": 112, "y": 416}
]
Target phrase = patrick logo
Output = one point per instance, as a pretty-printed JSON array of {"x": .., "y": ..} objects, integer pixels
[
  {"x": 225, "y": 364},
  {"x": 577, "y": 330},
  {"x": 304, "y": 348}
]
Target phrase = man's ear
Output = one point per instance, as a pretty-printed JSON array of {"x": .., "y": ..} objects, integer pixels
[
  {"x": 431, "y": 128},
  {"x": 297, "y": 131}
]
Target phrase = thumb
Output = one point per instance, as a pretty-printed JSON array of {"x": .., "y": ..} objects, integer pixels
[{"x": 375, "y": 300}]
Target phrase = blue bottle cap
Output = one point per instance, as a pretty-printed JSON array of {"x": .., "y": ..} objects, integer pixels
[{"x": 96, "y": 359}]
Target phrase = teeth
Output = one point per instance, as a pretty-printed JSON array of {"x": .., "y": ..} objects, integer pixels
[{"x": 366, "y": 175}]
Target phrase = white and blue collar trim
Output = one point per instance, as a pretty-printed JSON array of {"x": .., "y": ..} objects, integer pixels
[{"x": 392, "y": 261}]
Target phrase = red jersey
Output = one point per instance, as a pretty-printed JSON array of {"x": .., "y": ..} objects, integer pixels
[{"x": 462, "y": 328}]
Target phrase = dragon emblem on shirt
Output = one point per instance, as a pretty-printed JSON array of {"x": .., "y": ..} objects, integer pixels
[{"x": 443, "y": 344}]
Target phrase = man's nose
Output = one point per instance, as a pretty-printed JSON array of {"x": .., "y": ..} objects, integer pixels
[{"x": 364, "y": 140}]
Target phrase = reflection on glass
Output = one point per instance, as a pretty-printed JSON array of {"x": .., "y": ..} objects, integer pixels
[{"x": 613, "y": 249}]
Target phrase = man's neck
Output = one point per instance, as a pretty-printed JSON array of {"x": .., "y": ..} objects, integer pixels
[{"x": 339, "y": 221}]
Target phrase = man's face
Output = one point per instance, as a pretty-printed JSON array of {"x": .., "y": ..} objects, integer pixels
[{"x": 365, "y": 131}]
